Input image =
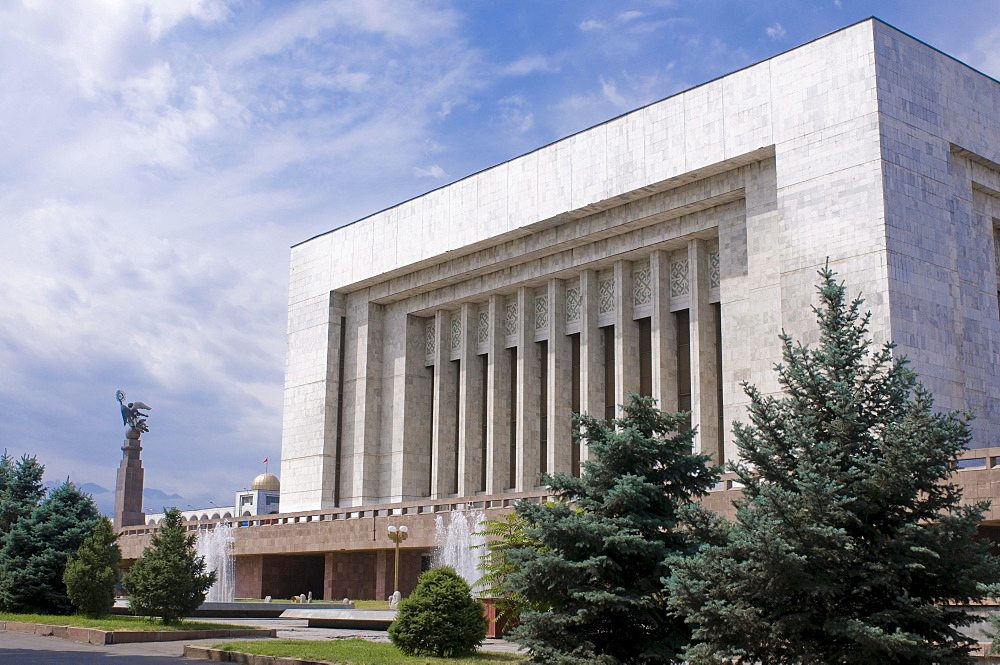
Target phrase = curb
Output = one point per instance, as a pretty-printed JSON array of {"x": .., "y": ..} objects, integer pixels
[
  {"x": 220, "y": 656},
  {"x": 96, "y": 636}
]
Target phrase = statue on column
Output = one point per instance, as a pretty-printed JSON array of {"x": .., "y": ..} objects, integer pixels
[
  {"x": 133, "y": 418},
  {"x": 128, "y": 490}
]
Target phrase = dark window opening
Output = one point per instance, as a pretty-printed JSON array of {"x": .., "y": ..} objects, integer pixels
[
  {"x": 575, "y": 399},
  {"x": 484, "y": 367},
  {"x": 609, "y": 372},
  {"x": 458, "y": 404},
  {"x": 645, "y": 356},
  {"x": 684, "y": 363},
  {"x": 543, "y": 407},
  {"x": 512, "y": 468}
]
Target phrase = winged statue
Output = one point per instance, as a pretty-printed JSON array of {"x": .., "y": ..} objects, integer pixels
[{"x": 132, "y": 413}]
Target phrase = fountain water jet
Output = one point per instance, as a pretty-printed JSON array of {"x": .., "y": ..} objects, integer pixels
[
  {"x": 216, "y": 545},
  {"x": 457, "y": 544}
]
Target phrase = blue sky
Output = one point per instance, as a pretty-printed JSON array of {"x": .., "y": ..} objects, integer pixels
[{"x": 158, "y": 158}]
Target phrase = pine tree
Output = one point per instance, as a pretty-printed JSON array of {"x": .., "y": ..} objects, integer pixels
[
  {"x": 849, "y": 542},
  {"x": 91, "y": 573},
  {"x": 20, "y": 489},
  {"x": 605, "y": 543},
  {"x": 169, "y": 579},
  {"x": 34, "y": 552}
]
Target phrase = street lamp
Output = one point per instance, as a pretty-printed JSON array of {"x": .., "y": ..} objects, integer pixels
[{"x": 397, "y": 535}]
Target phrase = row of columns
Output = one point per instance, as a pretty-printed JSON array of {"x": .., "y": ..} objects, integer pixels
[{"x": 458, "y": 392}]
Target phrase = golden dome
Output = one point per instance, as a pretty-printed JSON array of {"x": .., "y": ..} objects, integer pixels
[{"x": 266, "y": 481}]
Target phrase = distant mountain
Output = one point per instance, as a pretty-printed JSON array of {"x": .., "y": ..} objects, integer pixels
[
  {"x": 151, "y": 494},
  {"x": 89, "y": 488},
  {"x": 152, "y": 498}
]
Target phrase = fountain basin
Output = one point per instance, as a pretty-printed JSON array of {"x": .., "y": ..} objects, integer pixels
[
  {"x": 343, "y": 618},
  {"x": 243, "y": 610}
]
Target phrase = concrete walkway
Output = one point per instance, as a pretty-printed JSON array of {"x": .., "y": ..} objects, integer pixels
[{"x": 25, "y": 649}]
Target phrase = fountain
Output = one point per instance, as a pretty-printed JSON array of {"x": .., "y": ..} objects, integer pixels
[
  {"x": 216, "y": 545},
  {"x": 459, "y": 546}
]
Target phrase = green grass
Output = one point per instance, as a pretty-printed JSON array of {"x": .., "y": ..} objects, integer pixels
[
  {"x": 113, "y": 622},
  {"x": 358, "y": 652}
]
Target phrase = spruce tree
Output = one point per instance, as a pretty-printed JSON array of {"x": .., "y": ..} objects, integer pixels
[
  {"x": 850, "y": 542},
  {"x": 91, "y": 573},
  {"x": 34, "y": 553},
  {"x": 169, "y": 579},
  {"x": 605, "y": 543},
  {"x": 20, "y": 489}
]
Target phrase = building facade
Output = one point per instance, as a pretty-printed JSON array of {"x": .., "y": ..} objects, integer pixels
[{"x": 436, "y": 349}]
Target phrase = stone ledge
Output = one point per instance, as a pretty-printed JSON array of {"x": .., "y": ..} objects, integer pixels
[
  {"x": 96, "y": 636},
  {"x": 221, "y": 656}
]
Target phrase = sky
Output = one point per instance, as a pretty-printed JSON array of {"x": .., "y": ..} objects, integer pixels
[{"x": 159, "y": 157}]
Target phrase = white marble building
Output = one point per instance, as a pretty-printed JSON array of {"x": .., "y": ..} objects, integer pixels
[{"x": 438, "y": 347}]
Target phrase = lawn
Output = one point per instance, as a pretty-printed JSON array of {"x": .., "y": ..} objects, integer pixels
[
  {"x": 358, "y": 652},
  {"x": 113, "y": 622}
]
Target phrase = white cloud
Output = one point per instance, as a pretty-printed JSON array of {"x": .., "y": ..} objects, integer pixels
[
  {"x": 776, "y": 31},
  {"x": 591, "y": 24},
  {"x": 432, "y": 171},
  {"x": 516, "y": 114},
  {"x": 610, "y": 91},
  {"x": 529, "y": 64},
  {"x": 625, "y": 17}
]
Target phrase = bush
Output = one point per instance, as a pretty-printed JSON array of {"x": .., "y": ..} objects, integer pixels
[
  {"x": 440, "y": 617},
  {"x": 169, "y": 579},
  {"x": 92, "y": 572}
]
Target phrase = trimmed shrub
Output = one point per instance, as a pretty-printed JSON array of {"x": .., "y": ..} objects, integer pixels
[{"x": 440, "y": 617}]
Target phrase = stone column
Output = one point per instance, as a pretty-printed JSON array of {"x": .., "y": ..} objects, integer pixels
[
  {"x": 591, "y": 353},
  {"x": 559, "y": 391},
  {"x": 498, "y": 401},
  {"x": 407, "y": 471},
  {"x": 704, "y": 382},
  {"x": 664, "y": 332},
  {"x": 528, "y": 424},
  {"x": 443, "y": 441},
  {"x": 470, "y": 408},
  {"x": 360, "y": 437},
  {"x": 626, "y": 336}
]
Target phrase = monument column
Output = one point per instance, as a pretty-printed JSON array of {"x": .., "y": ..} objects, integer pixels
[{"x": 128, "y": 490}]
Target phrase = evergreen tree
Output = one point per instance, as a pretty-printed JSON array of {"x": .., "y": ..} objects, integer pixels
[
  {"x": 605, "y": 543},
  {"x": 91, "y": 573},
  {"x": 169, "y": 579},
  {"x": 440, "y": 617},
  {"x": 34, "y": 552},
  {"x": 849, "y": 542},
  {"x": 20, "y": 489}
]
